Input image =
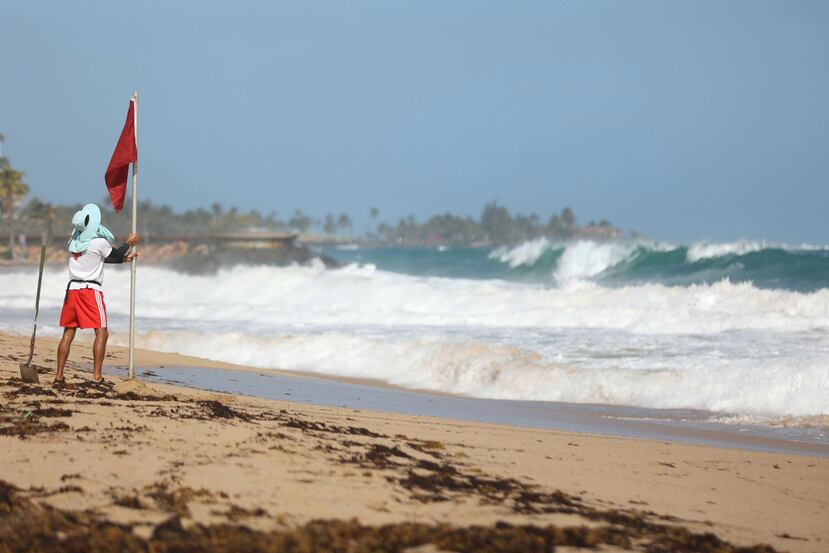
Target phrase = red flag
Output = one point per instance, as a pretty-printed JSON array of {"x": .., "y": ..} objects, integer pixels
[{"x": 125, "y": 153}]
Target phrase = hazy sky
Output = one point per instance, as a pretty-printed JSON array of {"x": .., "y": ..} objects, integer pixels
[{"x": 685, "y": 120}]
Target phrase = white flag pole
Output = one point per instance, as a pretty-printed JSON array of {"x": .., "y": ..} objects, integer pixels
[{"x": 134, "y": 229}]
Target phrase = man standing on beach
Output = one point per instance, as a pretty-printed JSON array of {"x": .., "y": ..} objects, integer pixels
[{"x": 83, "y": 305}]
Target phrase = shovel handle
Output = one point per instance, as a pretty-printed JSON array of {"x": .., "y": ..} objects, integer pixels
[
  {"x": 40, "y": 279},
  {"x": 37, "y": 303}
]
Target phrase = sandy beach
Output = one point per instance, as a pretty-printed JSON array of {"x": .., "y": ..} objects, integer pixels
[{"x": 152, "y": 467}]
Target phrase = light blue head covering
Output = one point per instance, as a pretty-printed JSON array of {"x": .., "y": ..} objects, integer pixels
[{"x": 86, "y": 225}]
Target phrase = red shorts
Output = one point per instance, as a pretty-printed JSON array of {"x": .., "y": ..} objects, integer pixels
[{"x": 84, "y": 308}]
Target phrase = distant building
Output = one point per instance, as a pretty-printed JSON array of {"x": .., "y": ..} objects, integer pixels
[
  {"x": 600, "y": 232},
  {"x": 254, "y": 239}
]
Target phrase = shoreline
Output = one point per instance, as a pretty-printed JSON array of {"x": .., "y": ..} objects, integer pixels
[
  {"x": 680, "y": 424},
  {"x": 580, "y": 418},
  {"x": 375, "y": 394},
  {"x": 162, "y": 464}
]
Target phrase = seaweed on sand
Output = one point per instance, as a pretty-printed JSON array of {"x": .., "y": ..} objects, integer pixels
[
  {"x": 219, "y": 410},
  {"x": 315, "y": 426},
  {"x": 28, "y": 526},
  {"x": 27, "y": 423},
  {"x": 376, "y": 456},
  {"x": 26, "y": 390}
]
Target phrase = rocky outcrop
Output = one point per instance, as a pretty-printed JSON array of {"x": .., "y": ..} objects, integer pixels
[
  {"x": 207, "y": 259},
  {"x": 198, "y": 257}
]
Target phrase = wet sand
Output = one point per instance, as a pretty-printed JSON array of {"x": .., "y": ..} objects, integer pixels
[
  {"x": 630, "y": 422},
  {"x": 140, "y": 466}
]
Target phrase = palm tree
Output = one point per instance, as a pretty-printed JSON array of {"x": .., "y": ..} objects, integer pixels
[
  {"x": 344, "y": 221},
  {"x": 300, "y": 221},
  {"x": 374, "y": 213},
  {"x": 329, "y": 227},
  {"x": 217, "y": 211},
  {"x": 273, "y": 221},
  {"x": 45, "y": 213},
  {"x": 12, "y": 190},
  {"x": 2, "y": 140},
  {"x": 568, "y": 218}
]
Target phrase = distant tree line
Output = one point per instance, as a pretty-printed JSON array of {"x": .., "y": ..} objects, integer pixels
[
  {"x": 13, "y": 190},
  {"x": 495, "y": 226}
]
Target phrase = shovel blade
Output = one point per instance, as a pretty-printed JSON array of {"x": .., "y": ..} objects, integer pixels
[{"x": 29, "y": 373}]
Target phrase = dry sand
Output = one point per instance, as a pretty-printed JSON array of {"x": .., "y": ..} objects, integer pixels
[{"x": 136, "y": 467}]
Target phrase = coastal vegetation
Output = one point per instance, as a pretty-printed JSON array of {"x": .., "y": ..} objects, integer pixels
[
  {"x": 23, "y": 220},
  {"x": 495, "y": 226},
  {"x": 12, "y": 191}
]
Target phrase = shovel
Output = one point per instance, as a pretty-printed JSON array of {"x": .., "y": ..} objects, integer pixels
[{"x": 28, "y": 372}]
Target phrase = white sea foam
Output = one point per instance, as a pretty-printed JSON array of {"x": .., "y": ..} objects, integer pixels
[
  {"x": 579, "y": 259},
  {"x": 526, "y": 253},
  {"x": 706, "y": 250},
  {"x": 789, "y": 421},
  {"x": 367, "y": 296},
  {"x": 583, "y": 259},
  {"x": 491, "y": 370},
  {"x": 809, "y": 248},
  {"x": 724, "y": 346}
]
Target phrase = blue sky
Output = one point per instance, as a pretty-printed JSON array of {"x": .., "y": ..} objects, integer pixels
[{"x": 684, "y": 120}]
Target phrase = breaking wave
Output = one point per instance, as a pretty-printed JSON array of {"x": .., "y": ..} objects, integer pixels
[
  {"x": 727, "y": 347},
  {"x": 706, "y": 250},
  {"x": 500, "y": 371},
  {"x": 364, "y": 295},
  {"x": 581, "y": 259},
  {"x": 802, "y": 268}
]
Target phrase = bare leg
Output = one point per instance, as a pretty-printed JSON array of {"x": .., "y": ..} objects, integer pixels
[
  {"x": 99, "y": 349},
  {"x": 63, "y": 351}
]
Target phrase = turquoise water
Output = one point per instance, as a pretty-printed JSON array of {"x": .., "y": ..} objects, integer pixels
[{"x": 802, "y": 269}]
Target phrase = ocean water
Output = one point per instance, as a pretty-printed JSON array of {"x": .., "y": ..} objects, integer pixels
[
  {"x": 803, "y": 268},
  {"x": 739, "y": 331}
]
